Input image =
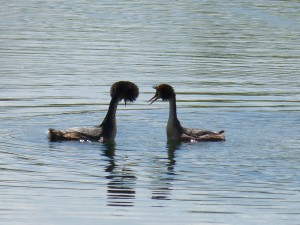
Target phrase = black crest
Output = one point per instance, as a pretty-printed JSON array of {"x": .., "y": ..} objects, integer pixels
[
  {"x": 125, "y": 90},
  {"x": 165, "y": 91}
]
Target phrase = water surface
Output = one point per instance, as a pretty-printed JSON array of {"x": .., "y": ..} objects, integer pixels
[{"x": 234, "y": 65}]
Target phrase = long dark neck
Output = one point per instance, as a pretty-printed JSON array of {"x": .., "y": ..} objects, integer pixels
[
  {"x": 172, "y": 110},
  {"x": 109, "y": 125},
  {"x": 111, "y": 112},
  {"x": 174, "y": 127}
]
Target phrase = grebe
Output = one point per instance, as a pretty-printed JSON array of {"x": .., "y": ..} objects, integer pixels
[
  {"x": 174, "y": 129},
  {"x": 106, "y": 131}
]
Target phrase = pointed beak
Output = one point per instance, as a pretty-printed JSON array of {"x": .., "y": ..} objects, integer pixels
[{"x": 153, "y": 99}]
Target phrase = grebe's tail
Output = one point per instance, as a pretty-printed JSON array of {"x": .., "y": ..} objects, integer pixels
[{"x": 55, "y": 135}]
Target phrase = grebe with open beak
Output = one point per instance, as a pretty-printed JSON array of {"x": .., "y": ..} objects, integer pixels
[
  {"x": 174, "y": 129},
  {"x": 107, "y": 130}
]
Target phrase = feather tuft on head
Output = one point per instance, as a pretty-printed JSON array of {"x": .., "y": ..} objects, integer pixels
[
  {"x": 163, "y": 91},
  {"x": 125, "y": 90}
]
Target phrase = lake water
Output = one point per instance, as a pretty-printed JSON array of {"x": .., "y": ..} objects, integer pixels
[{"x": 234, "y": 65}]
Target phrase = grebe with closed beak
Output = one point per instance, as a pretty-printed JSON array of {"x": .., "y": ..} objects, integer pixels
[
  {"x": 107, "y": 130},
  {"x": 174, "y": 129}
]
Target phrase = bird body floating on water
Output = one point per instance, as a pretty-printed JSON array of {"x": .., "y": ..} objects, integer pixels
[
  {"x": 107, "y": 130},
  {"x": 174, "y": 129}
]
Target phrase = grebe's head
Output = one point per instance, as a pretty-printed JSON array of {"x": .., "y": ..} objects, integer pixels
[
  {"x": 124, "y": 90},
  {"x": 163, "y": 91}
]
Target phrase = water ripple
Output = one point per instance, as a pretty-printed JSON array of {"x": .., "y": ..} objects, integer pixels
[{"x": 234, "y": 66}]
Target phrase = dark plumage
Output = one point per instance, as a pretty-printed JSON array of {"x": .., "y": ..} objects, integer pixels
[
  {"x": 107, "y": 130},
  {"x": 125, "y": 90},
  {"x": 174, "y": 129}
]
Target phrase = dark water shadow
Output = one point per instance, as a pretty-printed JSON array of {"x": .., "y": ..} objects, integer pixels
[
  {"x": 121, "y": 179},
  {"x": 163, "y": 181},
  {"x": 171, "y": 147}
]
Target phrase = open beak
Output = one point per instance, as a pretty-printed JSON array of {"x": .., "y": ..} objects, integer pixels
[{"x": 153, "y": 99}]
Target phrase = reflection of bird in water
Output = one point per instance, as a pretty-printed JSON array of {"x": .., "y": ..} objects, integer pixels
[
  {"x": 120, "y": 190},
  {"x": 172, "y": 147},
  {"x": 109, "y": 152},
  {"x": 121, "y": 180},
  {"x": 107, "y": 130},
  {"x": 164, "y": 179},
  {"x": 174, "y": 129}
]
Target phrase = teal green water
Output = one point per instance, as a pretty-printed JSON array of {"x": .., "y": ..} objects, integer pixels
[{"x": 234, "y": 65}]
